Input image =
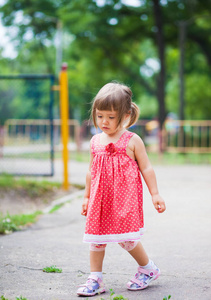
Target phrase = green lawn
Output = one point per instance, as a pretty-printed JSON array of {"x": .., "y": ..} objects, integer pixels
[{"x": 155, "y": 158}]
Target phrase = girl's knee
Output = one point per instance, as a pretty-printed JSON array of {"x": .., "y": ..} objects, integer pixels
[
  {"x": 128, "y": 245},
  {"x": 97, "y": 247}
]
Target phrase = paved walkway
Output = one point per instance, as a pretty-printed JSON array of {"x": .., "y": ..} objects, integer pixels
[{"x": 179, "y": 241}]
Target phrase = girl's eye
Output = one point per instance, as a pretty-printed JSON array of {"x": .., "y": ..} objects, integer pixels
[
  {"x": 99, "y": 117},
  {"x": 111, "y": 118}
]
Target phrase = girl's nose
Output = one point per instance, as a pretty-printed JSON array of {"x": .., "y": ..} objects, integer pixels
[{"x": 105, "y": 121}]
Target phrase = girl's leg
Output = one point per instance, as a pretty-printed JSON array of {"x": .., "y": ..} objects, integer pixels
[
  {"x": 139, "y": 254},
  {"x": 94, "y": 284},
  {"x": 137, "y": 251},
  {"x": 97, "y": 253},
  {"x": 147, "y": 270}
]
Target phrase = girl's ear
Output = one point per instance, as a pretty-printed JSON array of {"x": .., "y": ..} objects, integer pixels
[{"x": 126, "y": 117}]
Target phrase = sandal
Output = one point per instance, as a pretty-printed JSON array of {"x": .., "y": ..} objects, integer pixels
[
  {"x": 143, "y": 278},
  {"x": 93, "y": 286}
]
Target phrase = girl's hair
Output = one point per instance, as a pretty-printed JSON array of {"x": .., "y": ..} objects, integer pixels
[{"x": 117, "y": 97}]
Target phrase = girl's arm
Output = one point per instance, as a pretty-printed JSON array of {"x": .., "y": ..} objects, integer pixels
[
  {"x": 87, "y": 188},
  {"x": 147, "y": 173}
]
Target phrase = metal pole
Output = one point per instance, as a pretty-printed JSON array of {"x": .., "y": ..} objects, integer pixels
[
  {"x": 52, "y": 79},
  {"x": 64, "y": 121}
]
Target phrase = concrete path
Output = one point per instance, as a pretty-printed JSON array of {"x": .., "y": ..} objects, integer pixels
[{"x": 179, "y": 241}]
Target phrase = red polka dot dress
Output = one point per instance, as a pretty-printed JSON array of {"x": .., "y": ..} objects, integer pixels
[{"x": 115, "y": 209}]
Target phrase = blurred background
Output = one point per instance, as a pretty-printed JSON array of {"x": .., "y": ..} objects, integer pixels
[{"x": 160, "y": 48}]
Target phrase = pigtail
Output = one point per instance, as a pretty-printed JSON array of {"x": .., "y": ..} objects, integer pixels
[
  {"x": 134, "y": 115},
  {"x": 93, "y": 115}
]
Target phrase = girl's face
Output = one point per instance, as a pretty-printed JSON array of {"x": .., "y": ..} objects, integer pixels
[{"x": 107, "y": 121}]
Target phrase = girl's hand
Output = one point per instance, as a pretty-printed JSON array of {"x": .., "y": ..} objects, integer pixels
[
  {"x": 158, "y": 203},
  {"x": 84, "y": 206}
]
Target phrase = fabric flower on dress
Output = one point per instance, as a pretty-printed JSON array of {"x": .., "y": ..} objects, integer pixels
[{"x": 110, "y": 149}]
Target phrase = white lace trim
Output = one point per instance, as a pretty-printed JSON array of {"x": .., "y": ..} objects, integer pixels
[{"x": 101, "y": 239}]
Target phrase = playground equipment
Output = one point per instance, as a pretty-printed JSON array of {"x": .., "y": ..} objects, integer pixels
[
  {"x": 64, "y": 112},
  {"x": 29, "y": 93},
  {"x": 187, "y": 136},
  {"x": 21, "y": 96},
  {"x": 64, "y": 109}
]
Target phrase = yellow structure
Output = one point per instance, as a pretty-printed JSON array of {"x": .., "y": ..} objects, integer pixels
[{"x": 64, "y": 109}]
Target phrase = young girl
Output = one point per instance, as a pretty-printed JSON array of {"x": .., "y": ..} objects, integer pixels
[{"x": 113, "y": 201}]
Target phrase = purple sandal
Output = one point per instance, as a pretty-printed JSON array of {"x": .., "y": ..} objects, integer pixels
[
  {"x": 143, "y": 278},
  {"x": 93, "y": 286}
]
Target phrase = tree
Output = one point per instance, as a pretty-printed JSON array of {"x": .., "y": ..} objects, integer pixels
[
  {"x": 38, "y": 23},
  {"x": 115, "y": 41}
]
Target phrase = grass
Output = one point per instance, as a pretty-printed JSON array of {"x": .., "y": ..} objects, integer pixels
[
  {"x": 73, "y": 155},
  {"x": 56, "y": 207},
  {"x": 33, "y": 188},
  {"x": 52, "y": 269},
  {"x": 112, "y": 296},
  {"x": 155, "y": 158},
  {"x": 161, "y": 159},
  {"x": 180, "y": 158},
  {"x": 117, "y": 297},
  {"x": 17, "y": 298},
  {"x": 11, "y": 223}
]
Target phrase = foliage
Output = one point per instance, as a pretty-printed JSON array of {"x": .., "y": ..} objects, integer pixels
[
  {"x": 155, "y": 158},
  {"x": 165, "y": 298},
  {"x": 27, "y": 99},
  {"x": 17, "y": 298},
  {"x": 180, "y": 158},
  {"x": 7, "y": 225},
  {"x": 11, "y": 223},
  {"x": 119, "y": 297},
  {"x": 56, "y": 207},
  {"x": 33, "y": 188},
  {"x": 3, "y": 298},
  {"x": 114, "y": 297},
  {"x": 112, "y": 41},
  {"x": 52, "y": 269}
]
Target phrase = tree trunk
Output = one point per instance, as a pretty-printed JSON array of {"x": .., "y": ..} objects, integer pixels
[
  {"x": 182, "y": 36},
  {"x": 161, "y": 54},
  {"x": 1, "y": 140}
]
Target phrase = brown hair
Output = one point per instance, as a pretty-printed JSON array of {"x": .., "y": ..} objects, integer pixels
[{"x": 117, "y": 97}]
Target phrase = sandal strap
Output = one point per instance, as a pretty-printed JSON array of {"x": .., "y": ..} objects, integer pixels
[
  {"x": 149, "y": 272},
  {"x": 94, "y": 277},
  {"x": 87, "y": 284},
  {"x": 137, "y": 281}
]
